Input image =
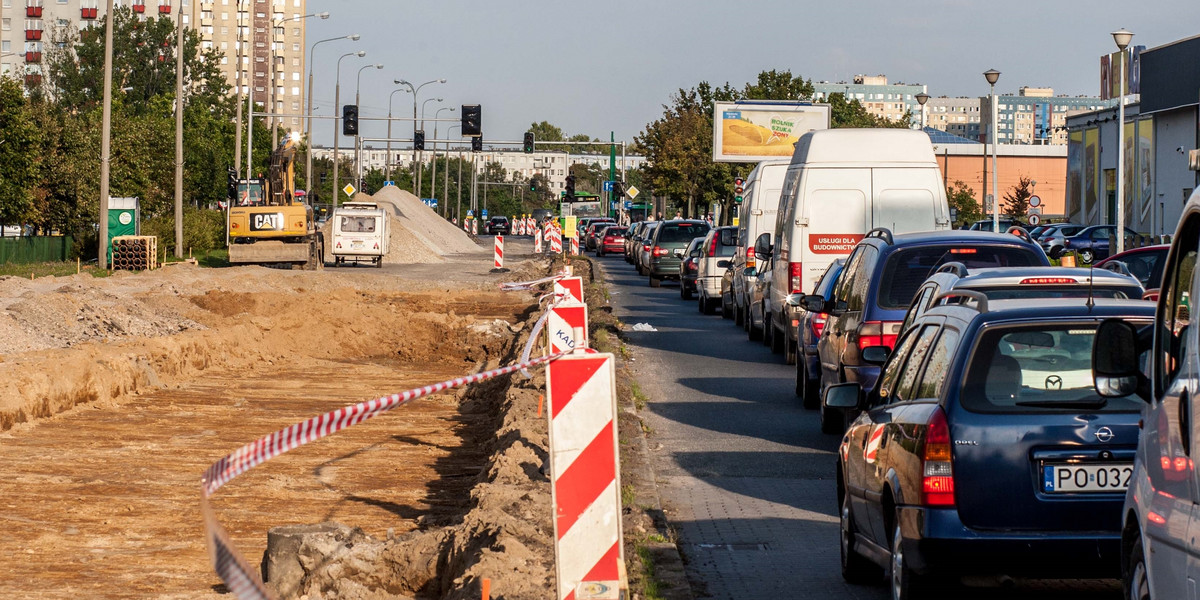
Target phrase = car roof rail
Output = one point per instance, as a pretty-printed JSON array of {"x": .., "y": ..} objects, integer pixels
[
  {"x": 1019, "y": 232},
  {"x": 954, "y": 267},
  {"x": 883, "y": 233},
  {"x": 1117, "y": 266},
  {"x": 981, "y": 301}
]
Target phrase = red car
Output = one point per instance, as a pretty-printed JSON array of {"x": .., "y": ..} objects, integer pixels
[
  {"x": 611, "y": 240},
  {"x": 1145, "y": 264}
]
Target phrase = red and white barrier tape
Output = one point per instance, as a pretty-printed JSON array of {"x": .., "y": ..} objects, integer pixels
[
  {"x": 528, "y": 285},
  {"x": 240, "y": 578}
]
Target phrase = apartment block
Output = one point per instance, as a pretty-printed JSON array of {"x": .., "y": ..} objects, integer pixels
[
  {"x": 27, "y": 27},
  {"x": 957, "y": 116},
  {"x": 1035, "y": 115},
  {"x": 882, "y": 99}
]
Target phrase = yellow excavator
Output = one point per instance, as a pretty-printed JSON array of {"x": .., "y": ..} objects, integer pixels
[{"x": 267, "y": 225}]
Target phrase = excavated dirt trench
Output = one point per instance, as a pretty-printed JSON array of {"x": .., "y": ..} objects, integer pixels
[{"x": 106, "y": 442}]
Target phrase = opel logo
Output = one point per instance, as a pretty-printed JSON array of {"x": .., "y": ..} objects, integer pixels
[{"x": 1104, "y": 434}]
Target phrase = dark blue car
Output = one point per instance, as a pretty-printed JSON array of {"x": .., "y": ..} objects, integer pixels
[
  {"x": 808, "y": 331},
  {"x": 984, "y": 449},
  {"x": 1096, "y": 242},
  {"x": 879, "y": 282}
]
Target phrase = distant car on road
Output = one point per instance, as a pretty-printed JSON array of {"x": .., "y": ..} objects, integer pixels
[
  {"x": 688, "y": 269},
  {"x": 1095, "y": 242},
  {"x": 662, "y": 261},
  {"x": 985, "y": 449},
  {"x": 611, "y": 240},
  {"x": 808, "y": 332},
  {"x": 497, "y": 226},
  {"x": 1052, "y": 237},
  {"x": 642, "y": 261},
  {"x": 592, "y": 233},
  {"x": 716, "y": 255}
]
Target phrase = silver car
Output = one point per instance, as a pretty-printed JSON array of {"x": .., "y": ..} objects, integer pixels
[{"x": 1051, "y": 238}]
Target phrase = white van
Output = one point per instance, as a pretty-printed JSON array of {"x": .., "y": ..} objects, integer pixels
[
  {"x": 360, "y": 233},
  {"x": 760, "y": 203},
  {"x": 840, "y": 184}
]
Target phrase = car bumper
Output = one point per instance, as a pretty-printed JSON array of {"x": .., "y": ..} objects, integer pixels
[
  {"x": 614, "y": 248},
  {"x": 937, "y": 542},
  {"x": 712, "y": 285},
  {"x": 665, "y": 268}
]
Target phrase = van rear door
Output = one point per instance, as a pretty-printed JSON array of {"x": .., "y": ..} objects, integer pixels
[
  {"x": 907, "y": 199},
  {"x": 832, "y": 219}
]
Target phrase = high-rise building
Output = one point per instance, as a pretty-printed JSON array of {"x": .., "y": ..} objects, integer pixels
[
  {"x": 249, "y": 33},
  {"x": 890, "y": 101},
  {"x": 958, "y": 116},
  {"x": 1034, "y": 116}
]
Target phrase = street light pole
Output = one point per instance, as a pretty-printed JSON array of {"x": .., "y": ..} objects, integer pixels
[
  {"x": 1122, "y": 38},
  {"x": 415, "y": 90},
  {"x": 421, "y": 175},
  {"x": 388, "y": 167},
  {"x": 357, "y": 136},
  {"x": 446, "y": 184},
  {"x": 337, "y": 101},
  {"x": 992, "y": 77},
  {"x": 106, "y": 137},
  {"x": 354, "y": 37},
  {"x": 433, "y": 178},
  {"x": 274, "y": 83}
]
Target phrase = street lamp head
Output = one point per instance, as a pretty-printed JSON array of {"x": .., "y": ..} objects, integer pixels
[
  {"x": 378, "y": 65},
  {"x": 444, "y": 81},
  {"x": 439, "y": 99},
  {"x": 323, "y": 15},
  {"x": 992, "y": 76},
  {"x": 361, "y": 53},
  {"x": 1122, "y": 38},
  {"x": 922, "y": 98},
  {"x": 354, "y": 37}
]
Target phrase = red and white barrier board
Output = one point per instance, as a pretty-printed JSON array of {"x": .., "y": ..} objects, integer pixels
[
  {"x": 571, "y": 290},
  {"x": 498, "y": 252},
  {"x": 474, "y": 227},
  {"x": 562, "y": 325},
  {"x": 537, "y": 241},
  {"x": 556, "y": 242},
  {"x": 585, "y": 477},
  {"x": 575, "y": 246}
]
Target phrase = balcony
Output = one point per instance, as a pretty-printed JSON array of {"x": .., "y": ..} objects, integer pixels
[
  {"x": 139, "y": 7},
  {"x": 33, "y": 57},
  {"x": 164, "y": 9},
  {"x": 33, "y": 35},
  {"x": 89, "y": 13},
  {"x": 33, "y": 12},
  {"x": 33, "y": 79}
]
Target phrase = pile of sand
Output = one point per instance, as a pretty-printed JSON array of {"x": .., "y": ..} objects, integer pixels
[{"x": 423, "y": 223}]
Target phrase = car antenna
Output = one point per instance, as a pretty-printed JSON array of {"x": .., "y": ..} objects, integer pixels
[{"x": 1091, "y": 301}]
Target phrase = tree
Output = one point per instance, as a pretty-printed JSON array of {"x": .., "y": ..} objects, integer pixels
[
  {"x": 854, "y": 114},
  {"x": 1016, "y": 200},
  {"x": 960, "y": 197},
  {"x": 545, "y": 132},
  {"x": 20, "y": 140}
]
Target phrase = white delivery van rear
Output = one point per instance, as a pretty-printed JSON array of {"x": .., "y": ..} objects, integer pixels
[
  {"x": 757, "y": 214},
  {"x": 361, "y": 231},
  {"x": 842, "y": 183}
]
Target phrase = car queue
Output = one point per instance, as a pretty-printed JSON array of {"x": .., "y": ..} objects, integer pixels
[{"x": 999, "y": 416}]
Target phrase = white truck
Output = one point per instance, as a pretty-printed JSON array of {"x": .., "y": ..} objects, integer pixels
[{"x": 360, "y": 233}]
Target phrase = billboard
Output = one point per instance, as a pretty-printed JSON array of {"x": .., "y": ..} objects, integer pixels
[
  {"x": 1111, "y": 71},
  {"x": 751, "y": 131}
]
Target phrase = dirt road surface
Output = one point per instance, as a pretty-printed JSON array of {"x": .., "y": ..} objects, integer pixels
[{"x": 117, "y": 393}]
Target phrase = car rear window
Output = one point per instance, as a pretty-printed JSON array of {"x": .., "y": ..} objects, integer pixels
[
  {"x": 676, "y": 233},
  {"x": 358, "y": 224},
  {"x": 906, "y": 269},
  {"x": 1037, "y": 368}
]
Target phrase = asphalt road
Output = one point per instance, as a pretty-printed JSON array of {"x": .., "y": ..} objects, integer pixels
[{"x": 744, "y": 473}]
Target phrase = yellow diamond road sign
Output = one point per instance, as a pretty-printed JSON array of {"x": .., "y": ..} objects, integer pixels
[
  {"x": 349, "y": 189},
  {"x": 632, "y": 191}
]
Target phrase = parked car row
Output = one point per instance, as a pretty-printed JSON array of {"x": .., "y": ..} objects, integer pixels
[{"x": 990, "y": 405}]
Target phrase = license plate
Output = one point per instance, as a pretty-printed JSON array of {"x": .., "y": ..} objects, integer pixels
[
  {"x": 1108, "y": 477},
  {"x": 356, "y": 244}
]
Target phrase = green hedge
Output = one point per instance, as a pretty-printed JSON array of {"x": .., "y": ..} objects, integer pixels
[{"x": 203, "y": 230}]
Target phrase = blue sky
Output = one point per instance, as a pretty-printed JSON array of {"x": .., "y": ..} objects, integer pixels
[{"x": 607, "y": 66}]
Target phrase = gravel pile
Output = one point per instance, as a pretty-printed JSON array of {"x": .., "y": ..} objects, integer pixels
[{"x": 422, "y": 223}]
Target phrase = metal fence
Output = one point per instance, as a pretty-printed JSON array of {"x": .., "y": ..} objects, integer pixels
[{"x": 35, "y": 249}]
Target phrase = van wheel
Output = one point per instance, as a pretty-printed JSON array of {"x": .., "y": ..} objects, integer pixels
[
  {"x": 655, "y": 282},
  {"x": 789, "y": 349},
  {"x": 706, "y": 306},
  {"x": 755, "y": 333},
  {"x": 739, "y": 318},
  {"x": 807, "y": 389},
  {"x": 726, "y": 309},
  {"x": 684, "y": 292},
  {"x": 1136, "y": 580}
]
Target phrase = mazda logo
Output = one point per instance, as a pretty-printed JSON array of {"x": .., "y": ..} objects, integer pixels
[{"x": 1104, "y": 434}]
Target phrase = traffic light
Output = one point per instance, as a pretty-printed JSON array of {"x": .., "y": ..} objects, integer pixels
[
  {"x": 419, "y": 139},
  {"x": 738, "y": 189},
  {"x": 528, "y": 142},
  {"x": 472, "y": 120},
  {"x": 477, "y": 144},
  {"x": 350, "y": 119},
  {"x": 532, "y": 185},
  {"x": 231, "y": 191},
  {"x": 570, "y": 187}
]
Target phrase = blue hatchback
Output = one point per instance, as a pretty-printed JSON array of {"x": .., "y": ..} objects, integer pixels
[{"x": 984, "y": 448}]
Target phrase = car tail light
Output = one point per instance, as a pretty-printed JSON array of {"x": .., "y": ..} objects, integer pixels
[
  {"x": 1047, "y": 280},
  {"x": 818, "y": 323},
  {"x": 937, "y": 481},
  {"x": 645, "y": 247},
  {"x": 963, "y": 251},
  {"x": 749, "y": 253},
  {"x": 659, "y": 251},
  {"x": 878, "y": 333},
  {"x": 712, "y": 248},
  {"x": 796, "y": 279}
]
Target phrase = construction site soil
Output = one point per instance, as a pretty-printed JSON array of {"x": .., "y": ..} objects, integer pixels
[{"x": 116, "y": 393}]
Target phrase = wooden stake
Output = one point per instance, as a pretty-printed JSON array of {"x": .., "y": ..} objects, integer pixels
[
  {"x": 540, "y": 399},
  {"x": 76, "y": 265},
  {"x": 487, "y": 589}
]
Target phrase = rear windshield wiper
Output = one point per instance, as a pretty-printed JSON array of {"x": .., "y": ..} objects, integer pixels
[{"x": 1091, "y": 403}]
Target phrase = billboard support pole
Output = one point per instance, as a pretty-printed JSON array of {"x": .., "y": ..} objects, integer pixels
[{"x": 612, "y": 169}]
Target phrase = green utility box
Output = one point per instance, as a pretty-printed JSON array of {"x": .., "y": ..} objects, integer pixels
[{"x": 124, "y": 218}]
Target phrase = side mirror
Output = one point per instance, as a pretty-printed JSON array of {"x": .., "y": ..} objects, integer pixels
[
  {"x": 814, "y": 303},
  {"x": 844, "y": 396},
  {"x": 794, "y": 300},
  {"x": 1115, "y": 360},
  {"x": 875, "y": 355},
  {"x": 763, "y": 247},
  {"x": 724, "y": 264}
]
